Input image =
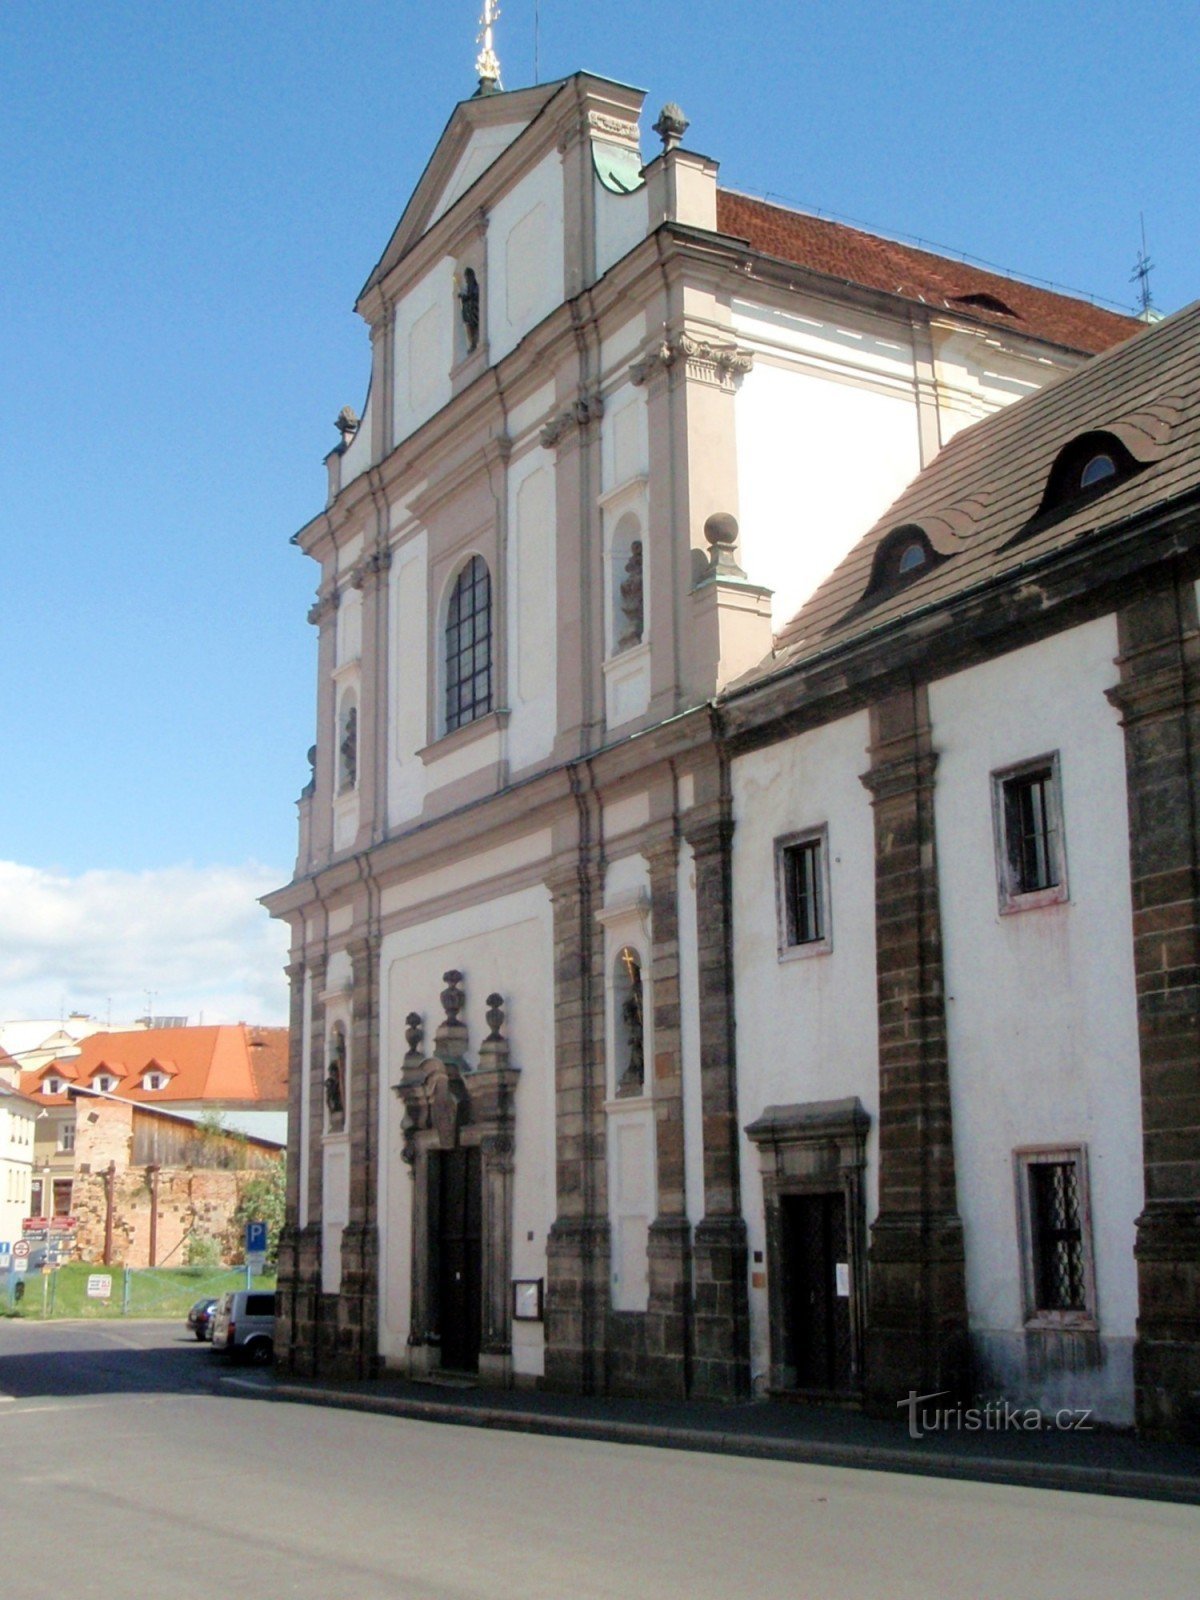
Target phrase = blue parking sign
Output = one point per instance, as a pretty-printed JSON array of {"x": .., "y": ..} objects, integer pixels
[{"x": 256, "y": 1238}]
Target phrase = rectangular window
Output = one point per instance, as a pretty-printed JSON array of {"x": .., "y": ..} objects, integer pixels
[
  {"x": 802, "y": 892},
  {"x": 1056, "y": 1237},
  {"x": 62, "y": 1197},
  {"x": 66, "y": 1137},
  {"x": 1027, "y": 816}
]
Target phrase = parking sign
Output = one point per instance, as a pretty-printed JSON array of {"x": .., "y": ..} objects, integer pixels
[{"x": 256, "y": 1238}]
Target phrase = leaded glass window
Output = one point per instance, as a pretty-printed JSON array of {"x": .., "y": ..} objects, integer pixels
[{"x": 469, "y": 646}]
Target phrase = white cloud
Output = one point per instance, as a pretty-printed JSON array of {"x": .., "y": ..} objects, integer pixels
[{"x": 195, "y": 937}]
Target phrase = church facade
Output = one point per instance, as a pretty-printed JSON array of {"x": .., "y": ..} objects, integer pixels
[{"x": 637, "y": 1047}]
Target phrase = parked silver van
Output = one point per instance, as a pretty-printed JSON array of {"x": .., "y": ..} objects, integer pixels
[{"x": 244, "y": 1325}]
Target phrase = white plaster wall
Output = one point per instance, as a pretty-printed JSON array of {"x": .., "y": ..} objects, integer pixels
[
  {"x": 1040, "y": 1003},
  {"x": 484, "y": 145},
  {"x": 335, "y": 1209},
  {"x": 806, "y": 1027},
  {"x": 423, "y": 333},
  {"x": 16, "y": 1169},
  {"x": 975, "y": 377},
  {"x": 349, "y": 626},
  {"x": 819, "y": 460},
  {"x": 503, "y": 944},
  {"x": 531, "y": 618},
  {"x": 407, "y": 678},
  {"x": 525, "y": 256},
  {"x": 622, "y": 220},
  {"x": 624, "y": 437}
]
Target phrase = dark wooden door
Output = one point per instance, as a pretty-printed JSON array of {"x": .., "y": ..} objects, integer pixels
[
  {"x": 818, "y": 1331},
  {"x": 456, "y": 1239}
]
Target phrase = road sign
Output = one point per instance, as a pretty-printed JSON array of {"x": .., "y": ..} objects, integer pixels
[
  {"x": 99, "y": 1286},
  {"x": 20, "y": 1263},
  {"x": 256, "y": 1238},
  {"x": 21, "y": 1250}
]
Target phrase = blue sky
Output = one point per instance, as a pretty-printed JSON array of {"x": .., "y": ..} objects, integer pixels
[{"x": 191, "y": 199}]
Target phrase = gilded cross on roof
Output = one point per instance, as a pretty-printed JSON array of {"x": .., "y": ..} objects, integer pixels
[{"x": 487, "y": 64}]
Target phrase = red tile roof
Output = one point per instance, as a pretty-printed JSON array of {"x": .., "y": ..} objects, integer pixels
[
  {"x": 839, "y": 251},
  {"x": 227, "y": 1064}
]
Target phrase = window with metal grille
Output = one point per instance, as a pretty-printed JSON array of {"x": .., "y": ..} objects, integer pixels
[
  {"x": 1054, "y": 1210},
  {"x": 469, "y": 646},
  {"x": 802, "y": 892},
  {"x": 1056, "y": 1236},
  {"x": 1031, "y": 860}
]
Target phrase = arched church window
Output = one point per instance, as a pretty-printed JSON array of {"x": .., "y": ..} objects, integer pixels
[
  {"x": 630, "y": 1023},
  {"x": 469, "y": 646}
]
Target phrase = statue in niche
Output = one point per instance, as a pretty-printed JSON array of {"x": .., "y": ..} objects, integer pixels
[
  {"x": 631, "y": 598},
  {"x": 335, "y": 1077},
  {"x": 634, "y": 1077},
  {"x": 468, "y": 305},
  {"x": 348, "y": 750}
]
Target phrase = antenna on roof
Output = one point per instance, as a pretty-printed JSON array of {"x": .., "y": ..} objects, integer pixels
[
  {"x": 1141, "y": 276},
  {"x": 487, "y": 64}
]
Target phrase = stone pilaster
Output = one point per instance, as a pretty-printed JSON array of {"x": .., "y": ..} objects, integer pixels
[
  {"x": 917, "y": 1306},
  {"x": 307, "y": 1319},
  {"x": 668, "y": 1331},
  {"x": 358, "y": 1304},
  {"x": 578, "y": 1250},
  {"x": 1159, "y": 700},
  {"x": 288, "y": 1261},
  {"x": 720, "y": 1308}
]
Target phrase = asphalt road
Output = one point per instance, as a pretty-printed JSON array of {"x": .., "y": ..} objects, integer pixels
[{"x": 131, "y": 1469}]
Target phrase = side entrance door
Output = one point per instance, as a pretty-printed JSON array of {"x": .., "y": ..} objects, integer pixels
[
  {"x": 816, "y": 1267},
  {"x": 456, "y": 1242}
]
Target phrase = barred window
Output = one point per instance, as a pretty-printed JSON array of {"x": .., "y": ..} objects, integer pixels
[
  {"x": 469, "y": 646},
  {"x": 1059, "y": 1281}
]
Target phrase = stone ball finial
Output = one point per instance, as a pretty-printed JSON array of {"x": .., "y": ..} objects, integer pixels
[
  {"x": 452, "y": 996},
  {"x": 495, "y": 1016},
  {"x": 347, "y": 425},
  {"x": 671, "y": 125},
  {"x": 413, "y": 1030},
  {"x": 721, "y": 532}
]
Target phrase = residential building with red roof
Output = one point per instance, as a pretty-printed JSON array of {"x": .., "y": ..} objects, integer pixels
[{"x": 233, "y": 1072}]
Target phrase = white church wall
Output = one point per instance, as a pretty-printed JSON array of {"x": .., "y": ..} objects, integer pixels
[
  {"x": 1040, "y": 1003},
  {"x": 525, "y": 256},
  {"x": 423, "y": 350},
  {"x": 407, "y": 678},
  {"x": 622, "y": 221},
  {"x": 689, "y": 1037},
  {"x": 806, "y": 1024},
  {"x": 483, "y": 147},
  {"x": 531, "y": 619},
  {"x": 819, "y": 459},
  {"x": 504, "y": 945}
]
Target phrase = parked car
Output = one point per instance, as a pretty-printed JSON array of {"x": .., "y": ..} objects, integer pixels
[
  {"x": 244, "y": 1325},
  {"x": 200, "y": 1317}
]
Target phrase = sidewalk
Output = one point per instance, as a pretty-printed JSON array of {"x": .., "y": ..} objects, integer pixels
[{"x": 1095, "y": 1461}]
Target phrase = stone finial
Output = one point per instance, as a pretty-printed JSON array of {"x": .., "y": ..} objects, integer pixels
[
  {"x": 671, "y": 125},
  {"x": 495, "y": 1017},
  {"x": 721, "y": 532},
  {"x": 452, "y": 996},
  {"x": 347, "y": 425},
  {"x": 413, "y": 1030}
]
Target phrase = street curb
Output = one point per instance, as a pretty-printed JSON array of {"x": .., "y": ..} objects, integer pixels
[{"x": 810, "y": 1452}]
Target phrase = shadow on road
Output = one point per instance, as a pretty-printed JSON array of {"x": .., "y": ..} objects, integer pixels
[{"x": 42, "y": 1361}]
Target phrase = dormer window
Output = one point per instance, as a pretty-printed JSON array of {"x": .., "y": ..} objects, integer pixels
[
  {"x": 154, "y": 1080},
  {"x": 1084, "y": 469},
  {"x": 903, "y": 557},
  {"x": 53, "y": 1085},
  {"x": 105, "y": 1082}
]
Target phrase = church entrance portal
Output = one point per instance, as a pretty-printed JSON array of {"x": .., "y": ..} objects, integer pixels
[
  {"x": 817, "y": 1274},
  {"x": 456, "y": 1243}
]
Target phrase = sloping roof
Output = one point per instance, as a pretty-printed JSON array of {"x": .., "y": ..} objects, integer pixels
[
  {"x": 978, "y": 502},
  {"x": 853, "y": 256},
  {"x": 210, "y": 1064}
]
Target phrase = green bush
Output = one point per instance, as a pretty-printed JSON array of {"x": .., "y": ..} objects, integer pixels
[{"x": 203, "y": 1250}]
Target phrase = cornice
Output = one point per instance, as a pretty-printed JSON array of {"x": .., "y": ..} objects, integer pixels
[
  {"x": 579, "y": 415},
  {"x": 722, "y": 365}
]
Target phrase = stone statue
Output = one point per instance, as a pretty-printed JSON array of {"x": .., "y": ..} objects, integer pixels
[
  {"x": 348, "y": 749},
  {"x": 468, "y": 301},
  {"x": 336, "y": 1076},
  {"x": 631, "y": 598}
]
